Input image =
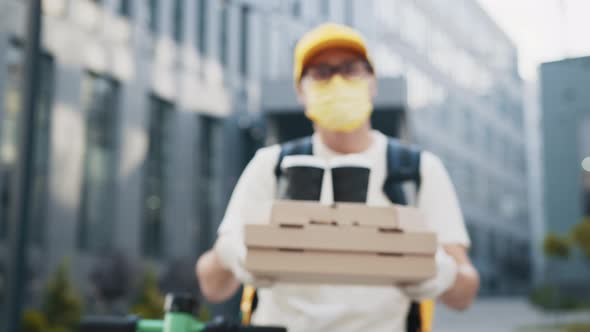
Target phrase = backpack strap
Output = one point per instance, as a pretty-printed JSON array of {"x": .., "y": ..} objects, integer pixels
[
  {"x": 300, "y": 146},
  {"x": 403, "y": 164}
]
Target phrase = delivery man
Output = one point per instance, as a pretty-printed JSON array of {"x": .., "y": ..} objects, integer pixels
[{"x": 335, "y": 82}]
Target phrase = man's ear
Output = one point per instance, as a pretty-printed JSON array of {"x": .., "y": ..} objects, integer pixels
[
  {"x": 373, "y": 86},
  {"x": 300, "y": 93}
]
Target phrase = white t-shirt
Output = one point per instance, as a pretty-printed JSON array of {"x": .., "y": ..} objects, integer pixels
[{"x": 308, "y": 308}]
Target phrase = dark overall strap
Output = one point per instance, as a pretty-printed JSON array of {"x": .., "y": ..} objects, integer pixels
[
  {"x": 403, "y": 164},
  {"x": 300, "y": 146}
]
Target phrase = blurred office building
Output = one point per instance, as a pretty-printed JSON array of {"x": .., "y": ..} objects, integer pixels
[
  {"x": 566, "y": 160},
  {"x": 149, "y": 110}
]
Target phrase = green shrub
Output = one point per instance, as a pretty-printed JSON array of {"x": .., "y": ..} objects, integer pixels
[
  {"x": 204, "y": 313},
  {"x": 556, "y": 246},
  {"x": 577, "y": 328},
  {"x": 549, "y": 297},
  {"x": 34, "y": 321},
  {"x": 581, "y": 236},
  {"x": 62, "y": 305},
  {"x": 150, "y": 302}
]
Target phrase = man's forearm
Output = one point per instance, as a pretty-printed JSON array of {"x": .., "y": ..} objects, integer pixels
[
  {"x": 464, "y": 290},
  {"x": 217, "y": 284}
]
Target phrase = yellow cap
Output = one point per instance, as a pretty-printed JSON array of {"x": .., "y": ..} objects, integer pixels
[{"x": 326, "y": 36}]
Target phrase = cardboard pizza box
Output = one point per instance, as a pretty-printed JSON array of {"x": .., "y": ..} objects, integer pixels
[
  {"x": 363, "y": 215},
  {"x": 307, "y": 242},
  {"x": 285, "y": 212},
  {"x": 338, "y": 268},
  {"x": 340, "y": 238}
]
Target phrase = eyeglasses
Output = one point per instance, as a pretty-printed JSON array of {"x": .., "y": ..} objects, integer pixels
[{"x": 348, "y": 70}]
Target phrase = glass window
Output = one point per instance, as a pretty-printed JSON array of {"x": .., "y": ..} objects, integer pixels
[
  {"x": 452, "y": 164},
  {"x": 472, "y": 231},
  {"x": 386, "y": 13},
  {"x": 458, "y": 179},
  {"x": 154, "y": 21},
  {"x": 470, "y": 182},
  {"x": 155, "y": 176},
  {"x": 244, "y": 39},
  {"x": 493, "y": 238},
  {"x": 325, "y": 8},
  {"x": 487, "y": 140},
  {"x": 12, "y": 96},
  {"x": 484, "y": 192},
  {"x": 508, "y": 156},
  {"x": 209, "y": 186},
  {"x": 454, "y": 119},
  {"x": 493, "y": 194},
  {"x": 224, "y": 33},
  {"x": 467, "y": 126},
  {"x": 585, "y": 193},
  {"x": 178, "y": 20},
  {"x": 9, "y": 139},
  {"x": 125, "y": 8},
  {"x": 464, "y": 69},
  {"x": 100, "y": 103},
  {"x": 349, "y": 12},
  {"x": 441, "y": 51},
  {"x": 419, "y": 88},
  {"x": 519, "y": 114},
  {"x": 296, "y": 8},
  {"x": 387, "y": 62},
  {"x": 522, "y": 162},
  {"x": 42, "y": 148},
  {"x": 414, "y": 26},
  {"x": 202, "y": 26}
]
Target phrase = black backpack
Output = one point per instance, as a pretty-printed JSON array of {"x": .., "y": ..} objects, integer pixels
[{"x": 403, "y": 164}]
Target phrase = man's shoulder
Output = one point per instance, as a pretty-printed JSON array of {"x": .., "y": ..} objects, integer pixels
[
  {"x": 430, "y": 163},
  {"x": 429, "y": 157},
  {"x": 268, "y": 153}
]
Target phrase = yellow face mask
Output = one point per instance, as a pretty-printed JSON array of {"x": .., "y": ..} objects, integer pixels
[{"x": 339, "y": 104}]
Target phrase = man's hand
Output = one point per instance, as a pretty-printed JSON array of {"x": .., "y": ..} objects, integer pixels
[
  {"x": 221, "y": 270},
  {"x": 446, "y": 273},
  {"x": 232, "y": 255},
  {"x": 456, "y": 282},
  {"x": 217, "y": 283}
]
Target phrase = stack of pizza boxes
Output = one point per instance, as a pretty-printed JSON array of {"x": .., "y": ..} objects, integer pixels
[{"x": 346, "y": 243}]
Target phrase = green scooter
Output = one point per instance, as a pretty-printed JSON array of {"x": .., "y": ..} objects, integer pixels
[{"x": 178, "y": 317}]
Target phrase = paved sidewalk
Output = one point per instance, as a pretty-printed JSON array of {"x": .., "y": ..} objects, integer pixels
[{"x": 500, "y": 315}]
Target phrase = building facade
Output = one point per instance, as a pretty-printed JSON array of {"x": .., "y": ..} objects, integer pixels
[
  {"x": 140, "y": 132},
  {"x": 150, "y": 110},
  {"x": 565, "y": 127}
]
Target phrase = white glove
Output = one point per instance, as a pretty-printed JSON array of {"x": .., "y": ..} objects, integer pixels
[
  {"x": 446, "y": 273},
  {"x": 231, "y": 250}
]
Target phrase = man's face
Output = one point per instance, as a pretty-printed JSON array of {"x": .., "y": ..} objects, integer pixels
[{"x": 325, "y": 64}]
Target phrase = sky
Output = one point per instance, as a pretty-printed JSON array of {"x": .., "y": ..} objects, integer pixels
[{"x": 543, "y": 30}]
